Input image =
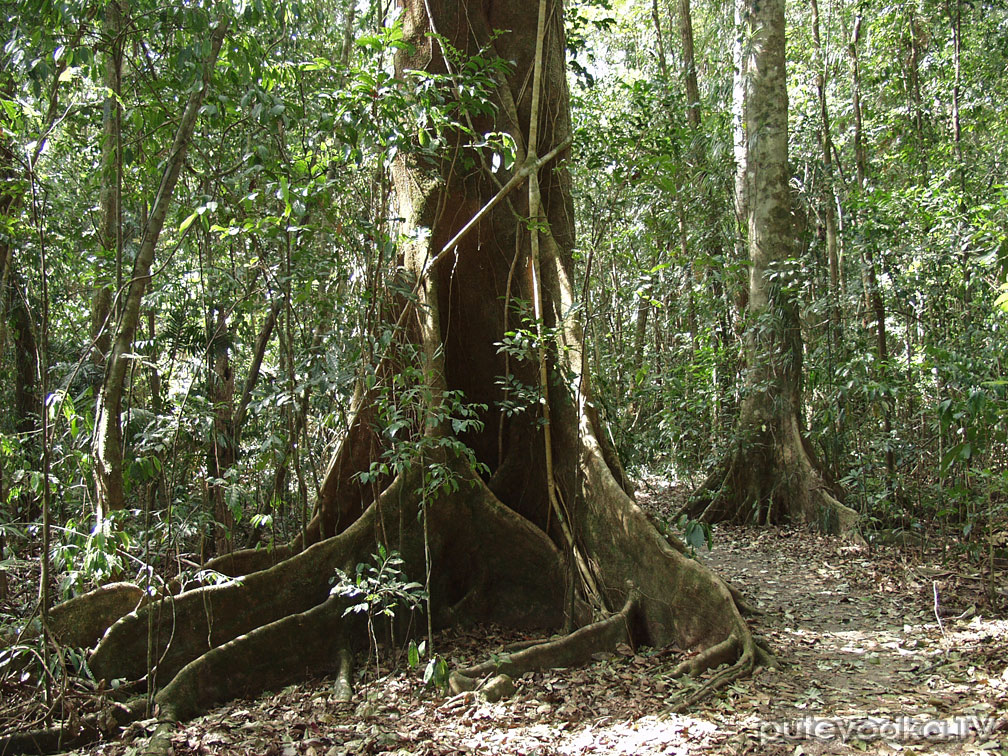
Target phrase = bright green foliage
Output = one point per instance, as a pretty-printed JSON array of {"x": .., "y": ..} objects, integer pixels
[{"x": 380, "y": 588}]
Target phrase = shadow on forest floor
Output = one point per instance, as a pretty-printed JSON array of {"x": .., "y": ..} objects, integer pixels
[{"x": 865, "y": 668}]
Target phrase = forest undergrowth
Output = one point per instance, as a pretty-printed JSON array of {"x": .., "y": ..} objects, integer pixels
[{"x": 882, "y": 650}]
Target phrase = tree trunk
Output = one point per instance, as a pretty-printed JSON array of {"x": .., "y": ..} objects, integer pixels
[
  {"x": 26, "y": 391},
  {"x": 16, "y": 322},
  {"x": 917, "y": 42},
  {"x": 727, "y": 363},
  {"x": 221, "y": 454},
  {"x": 108, "y": 457},
  {"x": 873, "y": 293},
  {"x": 954, "y": 10},
  {"x": 153, "y": 374},
  {"x": 693, "y": 116},
  {"x": 770, "y": 474},
  {"x": 7, "y": 205},
  {"x": 109, "y": 231},
  {"x": 526, "y": 540},
  {"x": 829, "y": 197},
  {"x": 689, "y": 65}
]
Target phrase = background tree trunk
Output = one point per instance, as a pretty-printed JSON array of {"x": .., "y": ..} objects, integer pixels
[
  {"x": 689, "y": 65},
  {"x": 770, "y": 475},
  {"x": 221, "y": 451},
  {"x": 828, "y": 195},
  {"x": 873, "y": 294},
  {"x": 108, "y": 455},
  {"x": 107, "y": 275}
]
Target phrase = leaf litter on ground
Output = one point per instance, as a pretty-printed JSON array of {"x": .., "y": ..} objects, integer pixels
[{"x": 856, "y": 635}]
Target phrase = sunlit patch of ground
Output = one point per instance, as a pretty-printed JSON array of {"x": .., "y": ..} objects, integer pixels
[{"x": 864, "y": 652}]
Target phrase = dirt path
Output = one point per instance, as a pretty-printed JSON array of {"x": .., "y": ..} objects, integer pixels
[{"x": 860, "y": 648}]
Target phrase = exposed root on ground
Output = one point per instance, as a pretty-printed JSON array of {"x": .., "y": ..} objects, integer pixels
[
  {"x": 343, "y": 688},
  {"x": 274, "y": 626},
  {"x": 268, "y": 628},
  {"x": 269, "y": 657},
  {"x": 87, "y": 729},
  {"x": 754, "y": 654},
  {"x": 572, "y": 650},
  {"x": 81, "y": 621}
]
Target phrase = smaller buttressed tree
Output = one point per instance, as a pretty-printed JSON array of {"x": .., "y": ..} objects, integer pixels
[{"x": 770, "y": 474}]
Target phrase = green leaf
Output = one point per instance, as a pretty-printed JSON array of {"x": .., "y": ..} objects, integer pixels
[
  {"x": 1002, "y": 299},
  {"x": 11, "y": 110},
  {"x": 441, "y": 671},
  {"x": 188, "y": 222}
]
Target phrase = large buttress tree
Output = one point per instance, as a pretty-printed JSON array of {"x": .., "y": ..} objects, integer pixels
[
  {"x": 520, "y": 515},
  {"x": 770, "y": 474}
]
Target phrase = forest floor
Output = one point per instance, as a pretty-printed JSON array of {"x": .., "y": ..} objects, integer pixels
[{"x": 865, "y": 667}]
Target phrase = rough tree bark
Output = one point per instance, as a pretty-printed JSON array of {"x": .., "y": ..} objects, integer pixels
[
  {"x": 221, "y": 454},
  {"x": 770, "y": 474},
  {"x": 17, "y": 326},
  {"x": 689, "y": 65},
  {"x": 917, "y": 44},
  {"x": 7, "y": 205},
  {"x": 537, "y": 541},
  {"x": 16, "y": 321},
  {"x": 828, "y": 195}
]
